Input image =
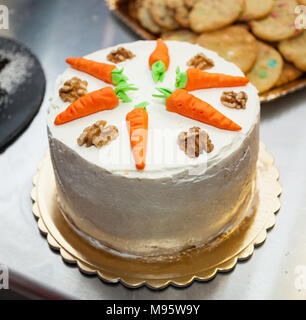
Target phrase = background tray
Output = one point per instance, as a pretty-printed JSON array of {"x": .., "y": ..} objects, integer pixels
[{"x": 120, "y": 10}]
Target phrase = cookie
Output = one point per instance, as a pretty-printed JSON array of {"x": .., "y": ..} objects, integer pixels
[
  {"x": 294, "y": 50},
  {"x": 280, "y": 24},
  {"x": 132, "y": 9},
  {"x": 161, "y": 15},
  {"x": 243, "y": 25},
  {"x": 303, "y": 2},
  {"x": 256, "y": 9},
  {"x": 234, "y": 44},
  {"x": 209, "y": 15},
  {"x": 179, "y": 12},
  {"x": 144, "y": 16},
  {"x": 289, "y": 73},
  {"x": 267, "y": 69},
  {"x": 180, "y": 35},
  {"x": 190, "y": 3}
]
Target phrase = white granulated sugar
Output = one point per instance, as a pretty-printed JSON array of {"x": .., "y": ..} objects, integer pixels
[{"x": 16, "y": 72}]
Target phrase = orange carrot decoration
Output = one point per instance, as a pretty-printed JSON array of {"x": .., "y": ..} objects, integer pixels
[
  {"x": 137, "y": 123},
  {"x": 103, "y": 71},
  {"x": 195, "y": 79},
  {"x": 186, "y": 104},
  {"x": 159, "y": 61},
  {"x": 104, "y": 99}
]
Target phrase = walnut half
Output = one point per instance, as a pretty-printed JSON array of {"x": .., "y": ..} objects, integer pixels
[
  {"x": 200, "y": 61},
  {"x": 120, "y": 55},
  {"x": 98, "y": 135},
  {"x": 194, "y": 142},
  {"x": 73, "y": 89},
  {"x": 232, "y": 99}
]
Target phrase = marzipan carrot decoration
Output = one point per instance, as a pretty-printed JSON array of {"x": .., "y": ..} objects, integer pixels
[
  {"x": 104, "y": 99},
  {"x": 195, "y": 79},
  {"x": 137, "y": 123},
  {"x": 159, "y": 61},
  {"x": 106, "y": 72},
  {"x": 186, "y": 104}
]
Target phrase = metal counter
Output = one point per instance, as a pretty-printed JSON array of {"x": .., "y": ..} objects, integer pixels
[{"x": 60, "y": 28}]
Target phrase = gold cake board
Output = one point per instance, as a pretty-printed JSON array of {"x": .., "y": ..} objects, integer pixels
[{"x": 179, "y": 270}]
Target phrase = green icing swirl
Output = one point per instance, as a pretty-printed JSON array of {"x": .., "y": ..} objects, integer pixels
[
  {"x": 118, "y": 76},
  {"x": 181, "y": 79},
  {"x": 158, "y": 71}
]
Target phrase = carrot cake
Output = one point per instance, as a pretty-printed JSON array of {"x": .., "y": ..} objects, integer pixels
[{"x": 174, "y": 173}]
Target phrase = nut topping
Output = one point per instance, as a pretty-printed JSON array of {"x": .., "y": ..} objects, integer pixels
[
  {"x": 73, "y": 89},
  {"x": 232, "y": 99},
  {"x": 200, "y": 61},
  {"x": 98, "y": 135},
  {"x": 120, "y": 55},
  {"x": 194, "y": 142}
]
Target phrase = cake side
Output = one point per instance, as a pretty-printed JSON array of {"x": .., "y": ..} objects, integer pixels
[{"x": 154, "y": 216}]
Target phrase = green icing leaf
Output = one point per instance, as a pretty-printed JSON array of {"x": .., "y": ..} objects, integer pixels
[
  {"x": 181, "y": 79},
  {"x": 118, "y": 76},
  {"x": 272, "y": 63},
  {"x": 158, "y": 71},
  {"x": 124, "y": 97},
  {"x": 121, "y": 89},
  {"x": 142, "y": 105},
  {"x": 165, "y": 93}
]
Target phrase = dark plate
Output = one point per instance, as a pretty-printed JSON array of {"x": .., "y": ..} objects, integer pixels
[{"x": 21, "y": 105}]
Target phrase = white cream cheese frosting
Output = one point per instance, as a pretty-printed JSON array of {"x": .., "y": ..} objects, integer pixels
[
  {"x": 173, "y": 204},
  {"x": 164, "y": 158}
]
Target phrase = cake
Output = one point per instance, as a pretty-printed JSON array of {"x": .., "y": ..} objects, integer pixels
[{"x": 176, "y": 202}]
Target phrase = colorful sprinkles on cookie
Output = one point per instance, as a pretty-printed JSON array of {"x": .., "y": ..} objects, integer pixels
[
  {"x": 283, "y": 4},
  {"x": 267, "y": 69},
  {"x": 272, "y": 63},
  {"x": 279, "y": 25},
  {"x": 262, "y": 74}
]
